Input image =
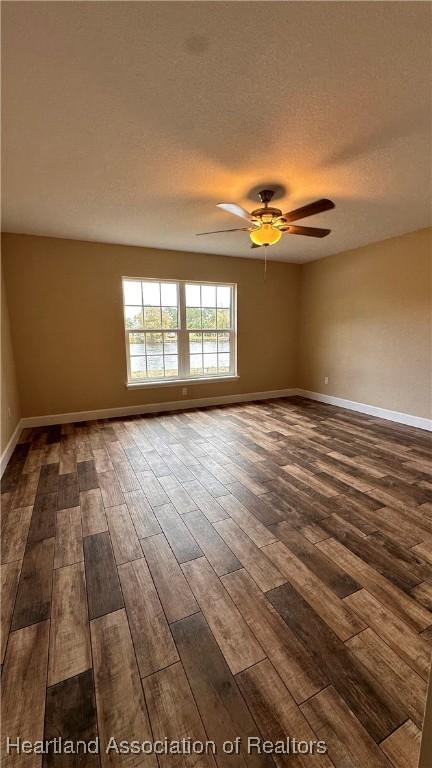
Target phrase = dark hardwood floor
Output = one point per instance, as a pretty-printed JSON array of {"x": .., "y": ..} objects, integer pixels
[{"x": 258, "y": 570}]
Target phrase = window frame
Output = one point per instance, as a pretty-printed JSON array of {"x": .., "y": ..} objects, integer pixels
[{"x": 182, "y": 336}]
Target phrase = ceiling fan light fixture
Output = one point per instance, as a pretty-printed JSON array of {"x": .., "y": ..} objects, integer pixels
[{"x": 265, "y": 235}]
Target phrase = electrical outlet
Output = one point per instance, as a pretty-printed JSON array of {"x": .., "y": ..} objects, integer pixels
[
  {"x": 325, "y": 379},
  {"x": 184, "y": 390}
]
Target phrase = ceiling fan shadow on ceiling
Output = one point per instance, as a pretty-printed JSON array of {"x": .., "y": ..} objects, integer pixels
[{"x": 267, "y": 224}]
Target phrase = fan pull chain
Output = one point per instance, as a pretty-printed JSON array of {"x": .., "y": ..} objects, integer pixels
[{"x": 265, "y": 259}]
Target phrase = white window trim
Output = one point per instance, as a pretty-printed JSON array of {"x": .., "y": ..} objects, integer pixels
[
  {"x": 182, "y": 332},
  {"x": 156, "y": 383}
]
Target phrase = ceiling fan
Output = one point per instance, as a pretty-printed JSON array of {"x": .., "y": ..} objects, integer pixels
[{"x": 267, "y": 224}]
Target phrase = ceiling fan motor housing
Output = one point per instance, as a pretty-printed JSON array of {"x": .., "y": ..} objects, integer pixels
[
  {"x": 266, "y": 215},
  {"x": 261, "y": 211}
]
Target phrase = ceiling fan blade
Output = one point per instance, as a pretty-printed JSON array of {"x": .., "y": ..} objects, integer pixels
[
  {"x": 216, "y": 232},
  {"x": 309, "y": 210},
  {"x": 237, "y": 210},
  {"x": 292, "y": 229}
]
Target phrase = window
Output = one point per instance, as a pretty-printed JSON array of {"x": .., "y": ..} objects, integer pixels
[{"x": 178, "y": 330}]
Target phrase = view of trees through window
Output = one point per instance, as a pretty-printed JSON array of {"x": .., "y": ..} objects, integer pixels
[{"x": 178, "y": 329}]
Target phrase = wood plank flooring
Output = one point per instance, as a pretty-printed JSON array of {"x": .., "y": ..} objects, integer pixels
[{"x": 259, "y": 571}]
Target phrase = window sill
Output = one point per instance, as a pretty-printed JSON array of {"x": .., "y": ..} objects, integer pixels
[{"x": 178, "y": 382}]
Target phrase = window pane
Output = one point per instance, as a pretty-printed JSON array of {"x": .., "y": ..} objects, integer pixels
[
  {"x": 193, "y": 318},
  {"x": 169, "y": 294},
  {"x": 154, "y": 344},
  {"x": 208, "y": 295},
  {"x": 223, "y": 296},
  {"x": 155, "y": 367},
  {"x": 138, "y": 367},
  {"x": 209, "y": 318},
  {"x": 137, "y": 343},
  {"x": 210, "y": 342},
  {"x": 223, "y": 342},
  {"x": 193, "y": 296},
  {"x": 223, "y": 318},
  {"x": 152, "y": 317},
  {"x": 224, "y": 363},
  {"x": 151, "y": 294},
  {"x": 196, "y": 365},
  {"x": 210, "y": 364},
  {"x": 195, "y": 343},
  {"x": 132, "y": 292},
  {"x": 133, "y": 317},
  {"x": 169, "y": 317},
  {"x": 170, "y": 343},
  {"x": 171, "y": 365}
]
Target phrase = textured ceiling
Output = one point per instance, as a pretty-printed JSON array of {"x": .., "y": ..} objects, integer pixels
[{"x": 126, "y": 122}]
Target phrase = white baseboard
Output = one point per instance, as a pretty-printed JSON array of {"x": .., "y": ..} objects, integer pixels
[
  {"x": 136, "y": 410},
  {"x": 371, "y": 410},
  {"x": 8, "y": 451},
  {"x": 177, "y": 405}
]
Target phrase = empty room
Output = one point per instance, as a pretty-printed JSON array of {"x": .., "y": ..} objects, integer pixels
[{"x": 216, "y": 384}]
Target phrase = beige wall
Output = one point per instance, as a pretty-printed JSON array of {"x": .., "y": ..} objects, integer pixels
[
  {"x": 10, "y": 405},
  {"x": 65, "y": 302},
  {"x": 362, "y": 318},
  {"x": 365, "y": 323}
]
